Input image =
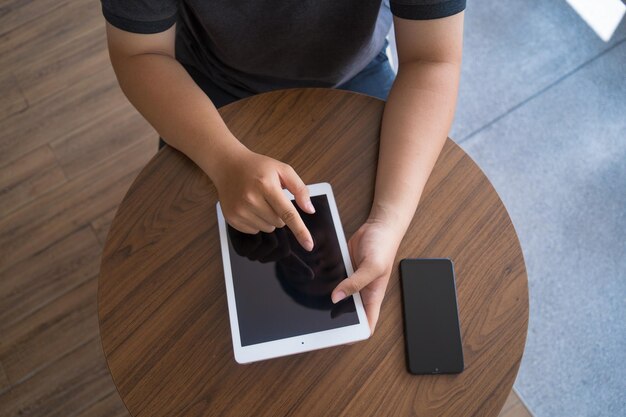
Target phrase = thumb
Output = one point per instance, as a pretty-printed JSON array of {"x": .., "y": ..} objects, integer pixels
[
  {"x": 354, "y": 283},
  {"x": 296, "y": 186}
]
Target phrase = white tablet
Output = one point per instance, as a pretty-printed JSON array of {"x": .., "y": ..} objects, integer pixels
[{"x": 279, "y": 294}]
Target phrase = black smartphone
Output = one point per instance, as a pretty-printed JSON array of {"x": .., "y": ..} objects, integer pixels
[{"x": 431, "y": 319}]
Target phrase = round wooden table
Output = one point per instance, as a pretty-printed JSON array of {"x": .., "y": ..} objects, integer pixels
[{"x": 162, "y": 305}]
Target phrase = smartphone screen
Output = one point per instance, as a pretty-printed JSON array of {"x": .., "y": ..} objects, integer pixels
[{"x": 431, "y": 319}]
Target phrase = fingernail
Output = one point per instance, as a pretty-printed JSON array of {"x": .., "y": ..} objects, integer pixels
[
  {"x": 338, "y": 296},
  {"x": 310, "y": 208},
  {"x": 308, "y": 245}
]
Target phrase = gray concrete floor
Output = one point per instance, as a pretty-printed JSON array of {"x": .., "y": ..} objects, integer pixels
[{"x": 542, "y": 110}]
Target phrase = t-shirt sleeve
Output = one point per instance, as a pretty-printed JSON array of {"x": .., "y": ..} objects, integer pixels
[
  {"x": 426, "y": 9},
  {"x": 140, "y": 16}
]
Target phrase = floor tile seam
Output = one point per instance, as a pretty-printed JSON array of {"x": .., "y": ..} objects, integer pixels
[{"x": 467, "y": 138}]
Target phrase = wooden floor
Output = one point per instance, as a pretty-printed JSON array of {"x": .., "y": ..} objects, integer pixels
[{"x": 70, "y": 146}]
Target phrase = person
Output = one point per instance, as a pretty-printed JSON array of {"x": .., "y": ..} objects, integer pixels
[{"x": 177, "y": 61}]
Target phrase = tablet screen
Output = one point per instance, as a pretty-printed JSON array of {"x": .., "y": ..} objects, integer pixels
[{"x": 281, "y": 290}]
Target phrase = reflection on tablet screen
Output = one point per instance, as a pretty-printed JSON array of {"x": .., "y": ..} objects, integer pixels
[{"x": 281, "y": 290}]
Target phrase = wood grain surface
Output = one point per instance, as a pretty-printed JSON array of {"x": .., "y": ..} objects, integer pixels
[{"x": 162, "y": 305}]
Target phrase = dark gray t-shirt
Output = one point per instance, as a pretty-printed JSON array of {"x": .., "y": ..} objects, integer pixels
[{"x": 252, "y": 46}]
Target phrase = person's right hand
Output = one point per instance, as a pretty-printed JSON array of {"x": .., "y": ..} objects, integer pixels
[{"x": 250, "y": 192}]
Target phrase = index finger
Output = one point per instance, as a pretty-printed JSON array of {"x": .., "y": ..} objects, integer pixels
[{"x": 288, "y": 213}]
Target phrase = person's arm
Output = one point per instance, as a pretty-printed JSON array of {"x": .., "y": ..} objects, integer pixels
[
  {"x": 418, "y": 114},
  {"x": 416, "y": 120},
  {"x": 249, "y": 184}
]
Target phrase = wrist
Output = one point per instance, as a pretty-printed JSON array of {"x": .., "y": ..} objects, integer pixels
[
  {"x": 392, "y": 219},
  {"x": 215, "y": 156}
]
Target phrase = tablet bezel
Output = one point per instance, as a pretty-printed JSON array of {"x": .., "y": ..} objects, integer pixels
[{"x": 302, "y": 343}]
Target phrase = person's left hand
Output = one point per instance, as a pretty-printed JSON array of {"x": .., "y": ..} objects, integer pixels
[{"x": 373, "y": 250}]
